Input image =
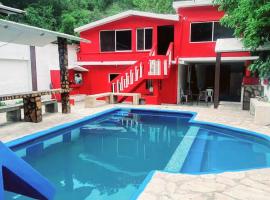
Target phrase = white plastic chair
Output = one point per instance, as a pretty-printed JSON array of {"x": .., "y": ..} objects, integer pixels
[{"x": 210, "y": 94}]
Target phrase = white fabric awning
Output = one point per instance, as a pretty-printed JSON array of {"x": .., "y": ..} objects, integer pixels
[
  {"x": 12, "y": 32},
  {"x": 78, "y": 68},
  {"x": 185, "y": 61},
  {"x": 231, "y": 45},
  {"x": 105, "y": 63}
]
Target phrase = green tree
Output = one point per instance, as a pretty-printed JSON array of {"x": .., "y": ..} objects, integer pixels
[
  {"x": 159, "y": 6},
  {"x": 65, "y": 15},
  {"x": 251, "y": 21}
]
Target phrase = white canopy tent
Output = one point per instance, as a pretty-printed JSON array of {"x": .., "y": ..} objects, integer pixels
[{"x": 12, "y": 32}]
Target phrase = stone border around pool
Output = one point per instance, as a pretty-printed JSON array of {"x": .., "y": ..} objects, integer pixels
[{"x": 39, "y": 135}]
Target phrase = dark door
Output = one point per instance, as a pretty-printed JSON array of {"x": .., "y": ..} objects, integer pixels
[
  {"x": 165, "y": 37},
  {"x": 231, "y": 77}
]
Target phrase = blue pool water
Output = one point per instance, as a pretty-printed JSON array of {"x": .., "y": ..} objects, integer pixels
[{"x": 108, "y": 157}]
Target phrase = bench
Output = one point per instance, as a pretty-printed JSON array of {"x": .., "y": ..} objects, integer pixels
[
  {"x": 261, "y": 111},
  {"x": 13, "y": 112},
  {"x": 51, "y": 106},
  {"x": 135, "y": 97},
  {"x": 91, "y": 100}
]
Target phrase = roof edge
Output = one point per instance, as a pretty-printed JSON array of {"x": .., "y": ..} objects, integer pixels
[{"x": 122, "y": 15}]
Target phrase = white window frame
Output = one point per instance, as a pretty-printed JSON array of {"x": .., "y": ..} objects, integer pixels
[
  {"x": 109, "y": 80},
  {"x": 115, "y": 44},
  {"x": 146, "y": 28}
]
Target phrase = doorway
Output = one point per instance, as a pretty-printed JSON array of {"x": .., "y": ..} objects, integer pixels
[
  {"x": 164, "y": 38},
  {"x": 231, "y": 81}
]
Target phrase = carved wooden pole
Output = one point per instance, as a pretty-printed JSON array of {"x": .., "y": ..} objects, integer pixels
[
  {"x": 33, "y": 67},
  {"x": 217, "y": 80},
  {"x": 63, "y": 62}
]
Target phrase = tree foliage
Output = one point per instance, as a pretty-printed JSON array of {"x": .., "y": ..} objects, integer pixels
[
  {"x": 65, "y": 15},
  {"x": 251, "y": 21}
]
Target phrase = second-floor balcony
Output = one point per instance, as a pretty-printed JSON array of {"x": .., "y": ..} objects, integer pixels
[{"x": 191, "y": 3}]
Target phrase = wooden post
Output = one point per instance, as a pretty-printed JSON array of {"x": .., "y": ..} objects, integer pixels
[
  {"x": 32, "y": 109},
  {"x": 217, "y": 80},
  {"x": 33, "y": 67},
  {"x": 63, "y": 62}
]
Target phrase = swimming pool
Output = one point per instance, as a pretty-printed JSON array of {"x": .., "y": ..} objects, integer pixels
[{"x": 107, "y": 156}]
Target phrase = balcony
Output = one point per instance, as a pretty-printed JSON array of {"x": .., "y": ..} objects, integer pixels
[{"x": 191, "y": 3}]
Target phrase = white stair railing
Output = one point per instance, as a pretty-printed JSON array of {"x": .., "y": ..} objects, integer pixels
[
  {"x": 122, "y": 84},
  {"x": 113, "y": 84},
  {"x": 155, "y": 67},
  {"x": 117, "y": 86},
  {"x": 127, "y": 79},
  {"x": 131, "y": 77},
  {"x": 141, "y": 70},
  {"x": 165, "y": 67},
  {"x": 136, "y": 73}
]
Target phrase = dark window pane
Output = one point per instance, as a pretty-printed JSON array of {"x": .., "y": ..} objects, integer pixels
[
  {"x": 107, "y": 41},
  {"x": 222, "y": 32},
  {"x": 123, "y": 40},
  {"x": 113, "y": 76},
  {"x": 148, "y": 38},
  {"x": 201, "y": 32},
  {"x": 140, "y": 39}
]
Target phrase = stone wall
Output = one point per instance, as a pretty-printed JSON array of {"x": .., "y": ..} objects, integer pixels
[{"x": 248, "y": 92}]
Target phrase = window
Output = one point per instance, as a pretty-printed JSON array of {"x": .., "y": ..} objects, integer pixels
[
  {"x": 144, "y": 39},
  {"x": 123, "y": 40},
  {"x": 222, "y": 32},
  {"x": 209, "y": 32},
  {"x": 107, "y": 41},
  {"x": 115, "y": 40},
  {"x": 201, "y": 32},
  {"x": 112, "y": 77}
]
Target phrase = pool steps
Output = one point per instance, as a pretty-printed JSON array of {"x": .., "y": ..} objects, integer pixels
[
  {"x": 193, "y": 162},
  {"x": 180, "y": 154}
]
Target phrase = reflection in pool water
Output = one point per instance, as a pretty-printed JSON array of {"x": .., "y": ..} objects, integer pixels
[{"x": 108, "y": 158}]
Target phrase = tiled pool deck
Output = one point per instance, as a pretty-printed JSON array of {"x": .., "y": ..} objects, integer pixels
[{"x": 253, "y": 184}]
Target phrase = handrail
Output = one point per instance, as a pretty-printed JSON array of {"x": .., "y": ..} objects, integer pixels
[
  {"x": 152, "y": 67},
  {"x": 153, "y": 51}
]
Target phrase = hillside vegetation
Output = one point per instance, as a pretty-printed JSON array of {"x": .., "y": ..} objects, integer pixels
[{"x": 65, "y": 15}]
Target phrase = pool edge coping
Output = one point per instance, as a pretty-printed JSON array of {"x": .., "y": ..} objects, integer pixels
[{"x": 146, "y": 181}]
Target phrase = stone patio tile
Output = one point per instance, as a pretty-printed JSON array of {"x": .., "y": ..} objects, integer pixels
[
  {"x": 202, "y": 186},
  {"x": 220, "y": 196},
  {"x": 243, "y": 192},
  {"x": 226, "y": 181},
  {"x": 255, "y": 184}
]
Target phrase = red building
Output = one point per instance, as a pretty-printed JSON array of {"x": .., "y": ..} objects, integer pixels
[{"x": 159, "y": 55}]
